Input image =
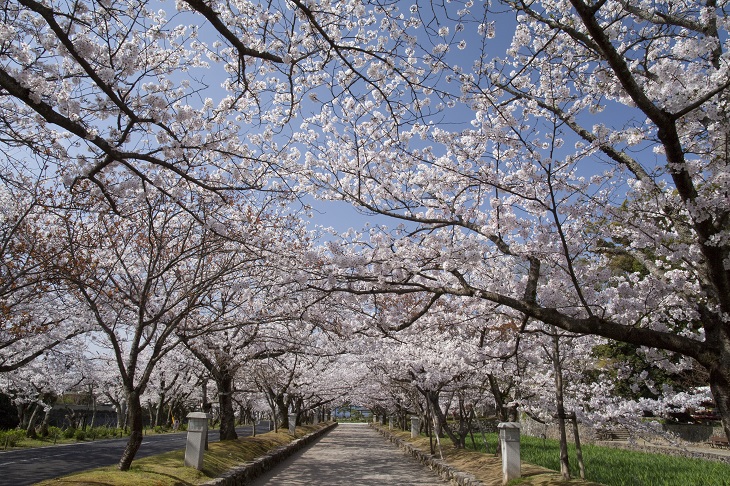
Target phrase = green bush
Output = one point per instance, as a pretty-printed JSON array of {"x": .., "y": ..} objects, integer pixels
[
  {"x": 69, "y": 433},
  {"x": 80, "y": 435},
  {"x": 101, "y": 432},
  {"x": 55, "y": 432},
  {"x": 11, "y": 438}
]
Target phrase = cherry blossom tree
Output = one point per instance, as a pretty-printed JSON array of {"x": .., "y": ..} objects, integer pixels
[
  {"x": 518, "y": 176},
  {"x": 601, "y": 131},
  {"x": 36, "y": 387},
  {"x": 34, "y": 309},
  {"x": 140, "y": 274},
  {"x": 174, "y": 388}
]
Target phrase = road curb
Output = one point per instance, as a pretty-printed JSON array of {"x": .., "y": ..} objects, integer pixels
[
  {"x": 248, "y": 471},
  {"x": 445, "y": 471}
]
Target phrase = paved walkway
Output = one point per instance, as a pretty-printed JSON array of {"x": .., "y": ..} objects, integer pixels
[{"x": 352, "y": 455}]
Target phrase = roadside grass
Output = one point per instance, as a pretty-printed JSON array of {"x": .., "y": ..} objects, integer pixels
[
  {"x": 16, "y": 439},
  {"x": 167, "y": 469},
  {"x": 620, "y": 467}
]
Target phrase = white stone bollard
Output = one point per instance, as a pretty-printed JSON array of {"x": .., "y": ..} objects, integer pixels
[
  {"x": 197, "y": 435},
  {"x": 292, "y": 423},
  {"x": 390, "y": 423},
  {"x": 509, "y": 436},
  {"x": 415, "y": 427}
]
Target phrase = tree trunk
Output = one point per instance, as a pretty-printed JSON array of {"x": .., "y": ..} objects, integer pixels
[
  {"x": 578, "y": 448},
  {"x": 502, "y": 411},
  {"x": 93, "y": 411},
  {"x": 720, "y": 387},
  {"x": 228, "y": 416},
  {"x": 433, "y": 398},
  {"x": 282, "y": 412},
  {"x": 119, "y": 409},
  {"x": 151, "y": 411},
  {"x": 30, "y": 427},
  {"x": 558, "y": 371},
  {"x": 23, "y": 409},
  {"x": 135, "y": 422},
  {"x": 50, "y": 402},
  {"x": 159, "y": 410}
]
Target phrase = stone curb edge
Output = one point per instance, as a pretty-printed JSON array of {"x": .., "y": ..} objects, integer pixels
[
  {"x": 449, "y": 473},
  {"x": 248, "y": 471}
]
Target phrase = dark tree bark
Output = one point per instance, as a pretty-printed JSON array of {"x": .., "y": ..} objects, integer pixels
[
  {"x": 578, "y": 447},
  {"x": 135, "y": 421},
  {"x": 558, "y": 372},
  {"x": 224, "y": 382}
]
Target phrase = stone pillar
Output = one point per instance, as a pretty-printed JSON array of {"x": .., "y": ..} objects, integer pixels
[
  {"x": 390, "y": 423},
  {"x": 197, "y": 435},
  {"x": 316, "y": 416},
  {"x": 509, "y": 436},
  {"x": 292, "y": 423},
  {"x": 415, "y": 427}
]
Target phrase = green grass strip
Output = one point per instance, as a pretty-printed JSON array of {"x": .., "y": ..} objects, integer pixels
[{"x": 620, "y": 467}]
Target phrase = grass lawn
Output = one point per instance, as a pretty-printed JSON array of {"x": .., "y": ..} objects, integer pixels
[
  {"x": 487, "y": 467},
  {"x": 168, "y": 470},
  {"x": 618, "y": 467}
]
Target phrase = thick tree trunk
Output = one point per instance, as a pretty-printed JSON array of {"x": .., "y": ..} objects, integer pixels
[
  {"x": 135, "y": 422},
  {"x": 282, "y": 412},
  {"x": 228, "y": 416},
  {"x": 720, "y": 387}
]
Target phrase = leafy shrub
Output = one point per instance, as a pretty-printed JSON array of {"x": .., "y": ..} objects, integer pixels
[
  {"x": 55, "y": 432},
  {"x": 69, "y": 433},
  {"x": 101, "y": 432},
  {"x": 80, "y": 435},
  {"x": 11, "y": 438}
]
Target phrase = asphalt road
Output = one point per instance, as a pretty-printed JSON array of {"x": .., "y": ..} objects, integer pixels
[{"x": 29, "y": 466}]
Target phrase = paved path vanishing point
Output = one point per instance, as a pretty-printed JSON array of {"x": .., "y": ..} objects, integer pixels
[
  {"x": 23, "y": 467},
  {"x": 351, "y": 455}
]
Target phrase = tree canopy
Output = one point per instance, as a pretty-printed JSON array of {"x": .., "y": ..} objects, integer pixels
[{"x": 548, "y": 168}]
